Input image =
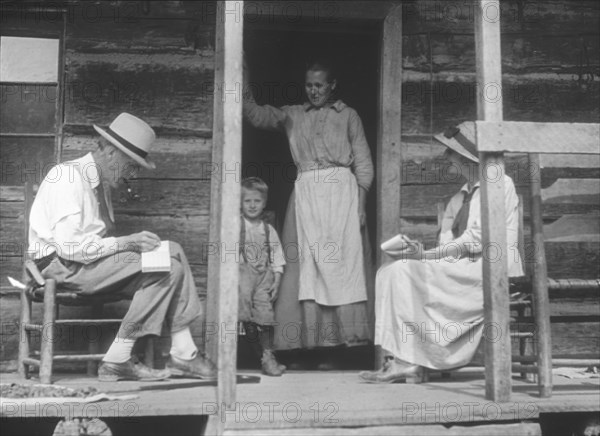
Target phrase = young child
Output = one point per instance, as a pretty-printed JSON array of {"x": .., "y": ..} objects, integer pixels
[{"x": 261, "y": 267}]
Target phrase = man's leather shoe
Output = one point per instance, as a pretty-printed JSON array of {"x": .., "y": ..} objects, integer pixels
[
  {"x": 198, "y": 367},
  {"x": 393, "y": 373},
  {"x": 111, "y": 372}
]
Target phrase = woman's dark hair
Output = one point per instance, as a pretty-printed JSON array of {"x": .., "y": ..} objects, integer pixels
[{"x": 322, "y": 65}]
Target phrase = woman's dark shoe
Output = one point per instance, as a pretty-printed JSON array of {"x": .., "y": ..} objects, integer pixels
[
  {"x": 270, "y": 366},
  {"x": 392, "y": 372},
  {"x": 198, "y": 367},
  {"x": 111, "y": 372}
]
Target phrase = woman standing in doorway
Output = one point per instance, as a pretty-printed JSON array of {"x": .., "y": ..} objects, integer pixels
[{"x": 323, "y": 295}]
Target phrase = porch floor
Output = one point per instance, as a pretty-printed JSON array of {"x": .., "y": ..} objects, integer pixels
[{"x": 301, "y": 399}]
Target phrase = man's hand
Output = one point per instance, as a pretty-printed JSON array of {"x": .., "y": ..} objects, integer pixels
[
  {"x": 274, "y": 289},
  {"x": 141, "y": 242}
]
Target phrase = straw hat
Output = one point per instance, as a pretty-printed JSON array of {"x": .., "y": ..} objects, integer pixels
[
  {"x": 132, "y": 136},
  {"x": 461, "y": 139}
]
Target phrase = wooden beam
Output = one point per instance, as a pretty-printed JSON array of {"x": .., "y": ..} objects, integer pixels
[
  {"x": 495, "y": 278},
  {"x": 529, "y": 137},
  {"x": 541, "y": 300},
  {"x": 389, "y": 146},
  {"x": 225, "y": 200},
  {"x": 315, "y": 12}
]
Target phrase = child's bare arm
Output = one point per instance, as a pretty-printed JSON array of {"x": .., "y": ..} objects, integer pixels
[{"x": 275, "y": 286}]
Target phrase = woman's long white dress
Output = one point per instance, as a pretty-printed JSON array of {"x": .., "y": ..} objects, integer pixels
[{"x": 430, "y": 312}]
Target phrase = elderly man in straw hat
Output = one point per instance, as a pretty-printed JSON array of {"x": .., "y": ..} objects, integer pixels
[
  {"x": 429, "y": 304},
  {"x": 70, "y": 240}
]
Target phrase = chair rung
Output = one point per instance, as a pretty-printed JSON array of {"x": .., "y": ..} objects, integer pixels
[
  {"x": 519, "y": 303},
  {"x": 521, "y": 334},
  {"x": 561, "y": 361},
  {"x": 563, "y": 318},
  {"x": 40, "y": 327},
  {"x": 33, "y": 327},
  {"x": 88, "y": 321},
  {"x": 77, "y": 357}
]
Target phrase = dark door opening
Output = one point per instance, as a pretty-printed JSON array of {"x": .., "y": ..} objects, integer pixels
[{"x": 277, "y": 60}]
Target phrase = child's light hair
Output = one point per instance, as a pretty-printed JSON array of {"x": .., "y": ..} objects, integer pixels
[{"x": 256, "y": 184}]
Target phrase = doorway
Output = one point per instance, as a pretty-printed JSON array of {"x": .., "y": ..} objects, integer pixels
[{"x": 277, "y": 60}]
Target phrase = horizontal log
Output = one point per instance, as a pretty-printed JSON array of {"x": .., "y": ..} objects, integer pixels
[
  {"x": 11, "y": 236},
  {"x": 420, "y": 16},
  {"x": 164, "y": 89},
  {"x": 184, "y": 35},
  {"x": 161, "y": 131},
  {"x": 11, "y": 194},
  {"x": 573, "y": 260},
  {"x": 177, "y": 198},
  {"x": 176, "y": 157},
  {"x": 422, "y": 164},
  {"x": 521, "y": 53},
  {"x": 420, "y": 201},
  {"x": 46, "y": 24},
  {"x": 12, "y": 210},
  {"x": 431, "y": 105}
]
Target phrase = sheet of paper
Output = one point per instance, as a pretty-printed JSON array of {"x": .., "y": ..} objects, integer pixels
[{"x": 157, "y": 260}]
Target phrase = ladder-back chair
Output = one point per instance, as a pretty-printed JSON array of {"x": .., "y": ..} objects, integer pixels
[
  {"x": 41, "y": 290},
  {"x": 494, "y": 138}
]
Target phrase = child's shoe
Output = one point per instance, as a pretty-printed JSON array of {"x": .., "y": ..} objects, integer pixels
[{"x": 270, "y": 366}]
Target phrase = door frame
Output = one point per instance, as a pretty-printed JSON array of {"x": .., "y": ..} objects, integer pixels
[{"x": 223, "y": 273}]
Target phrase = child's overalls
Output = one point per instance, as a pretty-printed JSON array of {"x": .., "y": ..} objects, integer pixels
[{"x": 256, "y": 276}]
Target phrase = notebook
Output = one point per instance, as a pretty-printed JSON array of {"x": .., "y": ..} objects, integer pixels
[
  {"x": 396, "y": 243},
  {"x": 157, "y": 260}
]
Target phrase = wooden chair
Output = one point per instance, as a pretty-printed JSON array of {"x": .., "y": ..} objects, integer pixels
[
  {"x": 41, "y": 290},
  {"x": 521, "y": 306},
  {"x": 523, "y": 317},
  {"x": 494, "y": 138}
]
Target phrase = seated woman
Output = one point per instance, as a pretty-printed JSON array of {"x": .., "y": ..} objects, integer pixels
[{"x": 429, "y": 304}]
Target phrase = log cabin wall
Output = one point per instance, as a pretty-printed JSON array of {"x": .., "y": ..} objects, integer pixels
[
  {"x": 550, "y": 66},
  {"x": 155, "y": 60},
  {"x": 550, "y": 69}
]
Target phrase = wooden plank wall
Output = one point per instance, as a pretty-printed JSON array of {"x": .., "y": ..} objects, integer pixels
[
  {"x": 550, "y": 66},
  {"x": 158, "y": 65},
  {"x": 146, "y": 62},
  {"x": 154, "y": 60}
]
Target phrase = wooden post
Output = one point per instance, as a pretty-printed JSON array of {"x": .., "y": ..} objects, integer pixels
[
  {"x": 389, "y": 153},
  {"x": 541, "y": 302},
  {"x": 47, "y": 336},
  {"x": 225, "y": 199},
  {"x": 24, "y": 339},
  {"x": 94, "y": 346},
  {"x": 25, "y": 318},
  {"x": 495, "y": 277}
]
